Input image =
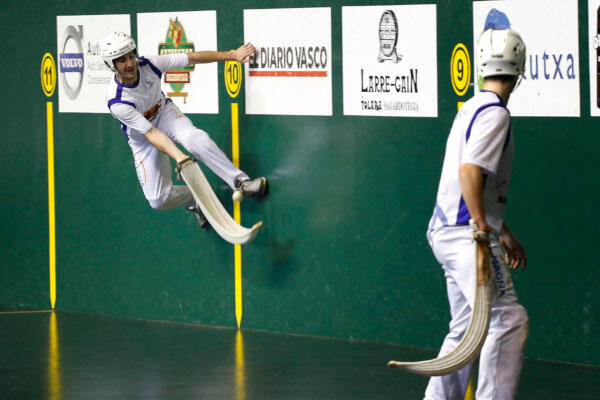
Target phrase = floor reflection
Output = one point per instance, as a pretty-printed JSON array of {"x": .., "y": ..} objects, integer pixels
[
  {"x": 54, "y": 382},
  {"x": 240, "y": 370}
]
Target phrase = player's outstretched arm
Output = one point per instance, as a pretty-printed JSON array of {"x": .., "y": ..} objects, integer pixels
[
  {"x": 163, "y": 143},
  {"x": 240, "y": 54}
]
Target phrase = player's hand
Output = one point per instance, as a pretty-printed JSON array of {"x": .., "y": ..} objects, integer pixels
[
  {"x": 514, "y": 252},
  {"x": 482, "y": 225},
  {"x": 242, "y": 53}
]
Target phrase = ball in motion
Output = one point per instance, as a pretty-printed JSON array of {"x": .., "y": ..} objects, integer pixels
[{"x": 237, "y": 195}]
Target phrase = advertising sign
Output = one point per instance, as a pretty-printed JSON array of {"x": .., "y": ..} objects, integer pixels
[
  {"x": 290, "y": 71},
  {"x": 193, "y": 88},
  {"x": 549, "y": 28},
  {"x": 594, "y": 51},
  {"x": 82, "y": 74},
  {"x": 390, "y": 60}
]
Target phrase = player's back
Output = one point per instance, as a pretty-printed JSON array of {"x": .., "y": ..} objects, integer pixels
[{"x": 488, "y": 110}]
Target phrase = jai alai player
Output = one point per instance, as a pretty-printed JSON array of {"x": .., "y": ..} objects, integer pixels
[
  {"x": 474, "y": 185},
  {"x": 152, "y": 123}
]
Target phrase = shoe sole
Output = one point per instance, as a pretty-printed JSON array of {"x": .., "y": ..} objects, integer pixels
[{"x": 265, "y": 188}]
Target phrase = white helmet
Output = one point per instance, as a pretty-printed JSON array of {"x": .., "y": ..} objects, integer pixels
[
  {"x": 115, "y": 45},
  {"x": 500, "y": 52}
]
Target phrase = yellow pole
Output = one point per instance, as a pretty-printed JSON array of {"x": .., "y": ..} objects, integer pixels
[
  {"x": 470, "y": 395},
  {"x": 235, "y": 152},
  {"x": 51, "y": 206}
]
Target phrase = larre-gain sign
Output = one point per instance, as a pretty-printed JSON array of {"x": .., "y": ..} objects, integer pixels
[{"x": 390, "y": 60}]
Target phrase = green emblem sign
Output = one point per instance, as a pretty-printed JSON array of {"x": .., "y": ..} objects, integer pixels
[{"x": 176, "y": 42}]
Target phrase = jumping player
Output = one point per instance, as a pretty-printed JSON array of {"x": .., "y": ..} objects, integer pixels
[
  {"x": 474, "y": 185},
  {"x": 152, "y": 123}
]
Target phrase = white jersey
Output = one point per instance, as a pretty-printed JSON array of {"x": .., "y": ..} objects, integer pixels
[
  {"x": 480, "y": 135},
  {"x": 138, "y": 107},
  {"x": 141, "y": 106}
]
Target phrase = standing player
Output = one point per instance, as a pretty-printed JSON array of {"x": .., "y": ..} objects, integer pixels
[
  {"x": 474, "y": 185},
  {"x": 152, "y": 123}
]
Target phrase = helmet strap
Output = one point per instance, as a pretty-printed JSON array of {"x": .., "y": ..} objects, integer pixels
[
  {"x": 518, "y": 82},
  {"x": 109, "y": 67}
]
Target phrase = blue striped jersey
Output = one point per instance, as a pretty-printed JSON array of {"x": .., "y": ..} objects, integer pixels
[
  {"x": 138, "y": 106},
  {"x": 480, "y": 135}
]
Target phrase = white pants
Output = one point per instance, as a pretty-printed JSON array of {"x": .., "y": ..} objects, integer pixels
[
  {"x": 154, "y": 167},
  {"x": 502, "y": 353}
]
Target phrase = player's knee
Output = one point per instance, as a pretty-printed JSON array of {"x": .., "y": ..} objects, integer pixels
[
  {"x": 460, "y": 320},
  {"x": 522, "y": 319},
  {"x": 157, "y": 204},
  {"x": 196, "y": 137},
  {"x": 516, "y": 319}
]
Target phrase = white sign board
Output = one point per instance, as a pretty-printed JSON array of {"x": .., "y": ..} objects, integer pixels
[
  {"x": 82, "y": 74},
  {"x": 290, "y": 71},
  {"x": 390, "y": 60},
  {"x": 594, "y": 51},
  {"x": 195, "y": 88},
  {"x": 549, "y": 28}
]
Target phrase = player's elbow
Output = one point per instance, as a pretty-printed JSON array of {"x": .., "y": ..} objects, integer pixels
[
  {"x": 469, "y": 173},
  {"x": 150, "y": 133}
]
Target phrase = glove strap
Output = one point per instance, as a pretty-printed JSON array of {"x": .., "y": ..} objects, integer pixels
[{"x": 183, "y": 163}]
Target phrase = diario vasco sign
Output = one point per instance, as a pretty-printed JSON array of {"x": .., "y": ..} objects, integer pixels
[{"x": 289, "y": 57}]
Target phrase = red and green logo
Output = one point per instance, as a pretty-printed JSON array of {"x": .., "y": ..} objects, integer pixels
[{"x": 176, "y": 42}]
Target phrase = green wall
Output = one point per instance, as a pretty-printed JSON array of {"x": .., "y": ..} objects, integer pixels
[{"x": 343, "y": 251}]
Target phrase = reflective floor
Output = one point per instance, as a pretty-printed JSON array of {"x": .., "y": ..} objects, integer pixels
[{"x": 46, "y": 355}]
